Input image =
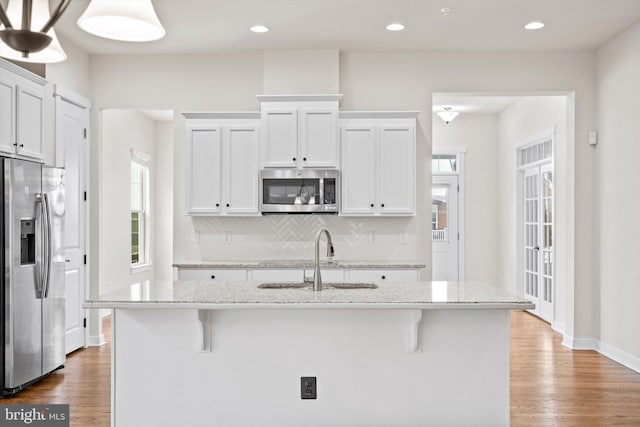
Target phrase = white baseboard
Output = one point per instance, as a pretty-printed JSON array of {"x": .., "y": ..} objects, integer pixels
[
  {"x": 607, "y": 350},
  {"x": 620, "y": 356},
  {"x": 580, "y": 343},
  {"x": 96, "y": 340},
  {"x": 559, "y": 327}
]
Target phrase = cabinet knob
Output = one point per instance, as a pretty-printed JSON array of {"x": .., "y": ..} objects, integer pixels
[
  {"x": 294, "y": 159},
  {"x": 217, "y": 205},
  {"x": 371, "y": 204},
  {"x": 304, "y": 159},
  {"x": 213, "y": 276},
  {"x": 382, "y": 205},
  {"x": 228, "y": 205},
  {"x": 384, "y": 277},
  {"x": 21, "y": 145}
]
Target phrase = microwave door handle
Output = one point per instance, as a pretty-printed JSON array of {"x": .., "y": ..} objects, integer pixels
[{"x": 321, "y": 190}]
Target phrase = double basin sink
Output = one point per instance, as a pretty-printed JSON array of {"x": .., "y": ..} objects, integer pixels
[{"x": 309, "y": 285}]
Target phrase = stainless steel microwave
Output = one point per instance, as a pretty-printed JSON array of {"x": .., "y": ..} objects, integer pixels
[{"x": 299, "y": 191}]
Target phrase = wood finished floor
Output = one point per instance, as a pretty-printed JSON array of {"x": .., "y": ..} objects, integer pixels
[{"x": 550, "y": 385}]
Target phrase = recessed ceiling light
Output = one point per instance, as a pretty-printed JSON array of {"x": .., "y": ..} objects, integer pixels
[
  {"x": 395, "y": 27},
  {"x": 259, "y": 29},
  {"x": 534, "y": 25}
]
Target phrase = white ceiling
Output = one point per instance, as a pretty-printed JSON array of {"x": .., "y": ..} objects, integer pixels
[{"x": 203, "y": 26}]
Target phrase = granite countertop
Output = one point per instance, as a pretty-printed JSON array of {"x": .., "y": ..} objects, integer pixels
[
  {"x": 299, "y": 263},
  {"x": 246, "y": 295}
]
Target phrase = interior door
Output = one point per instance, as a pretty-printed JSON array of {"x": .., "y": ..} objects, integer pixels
[
  {"x": 531, "y": 236},
  {"x": 444, "y": 228},
  {"x": 71, "y": 122},
  {"x": 546, "y": 240}
]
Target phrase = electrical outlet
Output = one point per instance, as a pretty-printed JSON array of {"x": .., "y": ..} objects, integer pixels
[{"x": 308, "y": 387}]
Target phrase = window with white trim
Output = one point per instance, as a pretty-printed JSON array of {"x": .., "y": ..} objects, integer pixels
[{"x": 139, "y": 209}]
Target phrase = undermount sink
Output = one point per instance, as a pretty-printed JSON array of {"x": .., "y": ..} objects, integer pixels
[{"x": 329, "y": 285}]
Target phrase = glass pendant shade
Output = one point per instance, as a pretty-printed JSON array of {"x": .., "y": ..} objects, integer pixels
[
  {"x": 123, "y": 20},
  {"x": 39, "y": 18},
  {"x": 447, "y": 115}
]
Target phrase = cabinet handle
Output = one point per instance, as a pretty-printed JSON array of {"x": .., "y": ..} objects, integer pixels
[
  {"x": 384, "y": 277},
  {"x": 294, "y": 159},
  {"x": 213, "y": 277}
]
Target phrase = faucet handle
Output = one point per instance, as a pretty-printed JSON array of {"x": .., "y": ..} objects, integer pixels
[
  {"x": 307, "y": 279},
  {"x": 330, "y": 252}
]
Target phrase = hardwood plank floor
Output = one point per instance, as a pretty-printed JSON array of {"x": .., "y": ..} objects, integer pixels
[{"x": 550, "y": 384}]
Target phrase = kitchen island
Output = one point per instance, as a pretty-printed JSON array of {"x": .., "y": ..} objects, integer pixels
[{"x": 232, "y": 354}]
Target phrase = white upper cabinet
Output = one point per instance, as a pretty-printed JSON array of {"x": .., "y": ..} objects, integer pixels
[
  {"x": 21, "y": 112},
  {"x": 279, "y": 137},
  {"x": 299, "y": 131},
  {"x": 358, "y": 169},
  {"x": 222, "y": 164},
  {"x": 378, "y": 164}
]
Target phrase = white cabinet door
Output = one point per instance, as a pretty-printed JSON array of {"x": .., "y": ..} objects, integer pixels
[
  {"x": 318, "y": 138},
  {"x": 279, "y": 137},
  {"x": 358, "y": 169},
  {"x": 279, "y": 275},
  {"x": 30, "y": 115},
  {"x": 7, "y": 112},
  {"x": 241, "y": 146},
  {"x": 204, "y": 170},
  {"x": 397, "y": 170}
]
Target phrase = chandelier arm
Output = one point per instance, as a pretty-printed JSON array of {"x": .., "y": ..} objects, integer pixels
[
  {"x": 4, "y": 19},
  {"x": 57, "y": 13}
]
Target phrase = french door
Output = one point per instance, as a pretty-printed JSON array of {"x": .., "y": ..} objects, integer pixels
[
  {"x": 537, "y": 222},
  {"x": 444, "y": 227}
]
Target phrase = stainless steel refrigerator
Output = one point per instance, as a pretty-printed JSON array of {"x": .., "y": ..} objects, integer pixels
[{"x": 32, "y": 263}]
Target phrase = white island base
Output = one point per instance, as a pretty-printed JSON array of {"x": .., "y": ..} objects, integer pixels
[{"x": 374, "y": 366}]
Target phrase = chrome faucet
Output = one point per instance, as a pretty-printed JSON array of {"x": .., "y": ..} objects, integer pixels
[{"x": 317, "y": 278}]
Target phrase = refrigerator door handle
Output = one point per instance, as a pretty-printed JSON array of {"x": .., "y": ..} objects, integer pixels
[
  {"x": 39, "y": 246},
  {"x": 47, "y": 247}
]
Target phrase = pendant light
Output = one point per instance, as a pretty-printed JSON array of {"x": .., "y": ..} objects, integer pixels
[
  {"x": 123, "y": 20},
  {"x": 27, "y": 32},
  {"x": 447, "y": 115}
]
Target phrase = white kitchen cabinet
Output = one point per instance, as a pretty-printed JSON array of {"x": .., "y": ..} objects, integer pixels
[
  {"x": 276, "y": 275},
  {"x": 378, "y": 166},
  {"x": 21, "y": 112},
  {"x": 389, "y": 275},
  {"x": 222, "y": 165},
  {"x": 299, "y": 131},
  {"x": 218, "y": 275}
]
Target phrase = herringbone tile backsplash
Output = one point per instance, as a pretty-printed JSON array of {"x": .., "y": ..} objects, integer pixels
[{"x": 293, "y": 237}]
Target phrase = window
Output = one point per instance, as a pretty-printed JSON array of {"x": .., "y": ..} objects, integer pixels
[
  {"x": 139, "y": 209},
  {"x": 444, "y": 163}
]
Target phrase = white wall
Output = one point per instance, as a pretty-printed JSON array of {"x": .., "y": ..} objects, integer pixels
[
  {"x": 525, "y": 119},
  {"x": 371, "y": 81},
  {"x": 123, "y": 131},
  {"x": 619, "y": 149},
  {"x": 479, "y": 134},
  {"x": 163, "y": 206}
]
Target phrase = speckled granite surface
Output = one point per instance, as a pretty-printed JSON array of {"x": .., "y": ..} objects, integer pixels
[
  {"x": 291, "y": 264},
  {"x": 246, "y": 295}
]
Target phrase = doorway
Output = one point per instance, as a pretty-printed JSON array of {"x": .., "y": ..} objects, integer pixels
[{"x": 444, "y": 227}]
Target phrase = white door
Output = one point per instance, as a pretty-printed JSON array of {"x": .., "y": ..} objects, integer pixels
[
  {"x": 71, "y": 127},
  {"x": 537, "y": 220},
  {"x": 444, "y": 227},
  {"x": 397, "y": 165},
  {"x": 242, "y": 147},
  {"x": 358, "y": 145},
  {"x": 318, "y": 138}
]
